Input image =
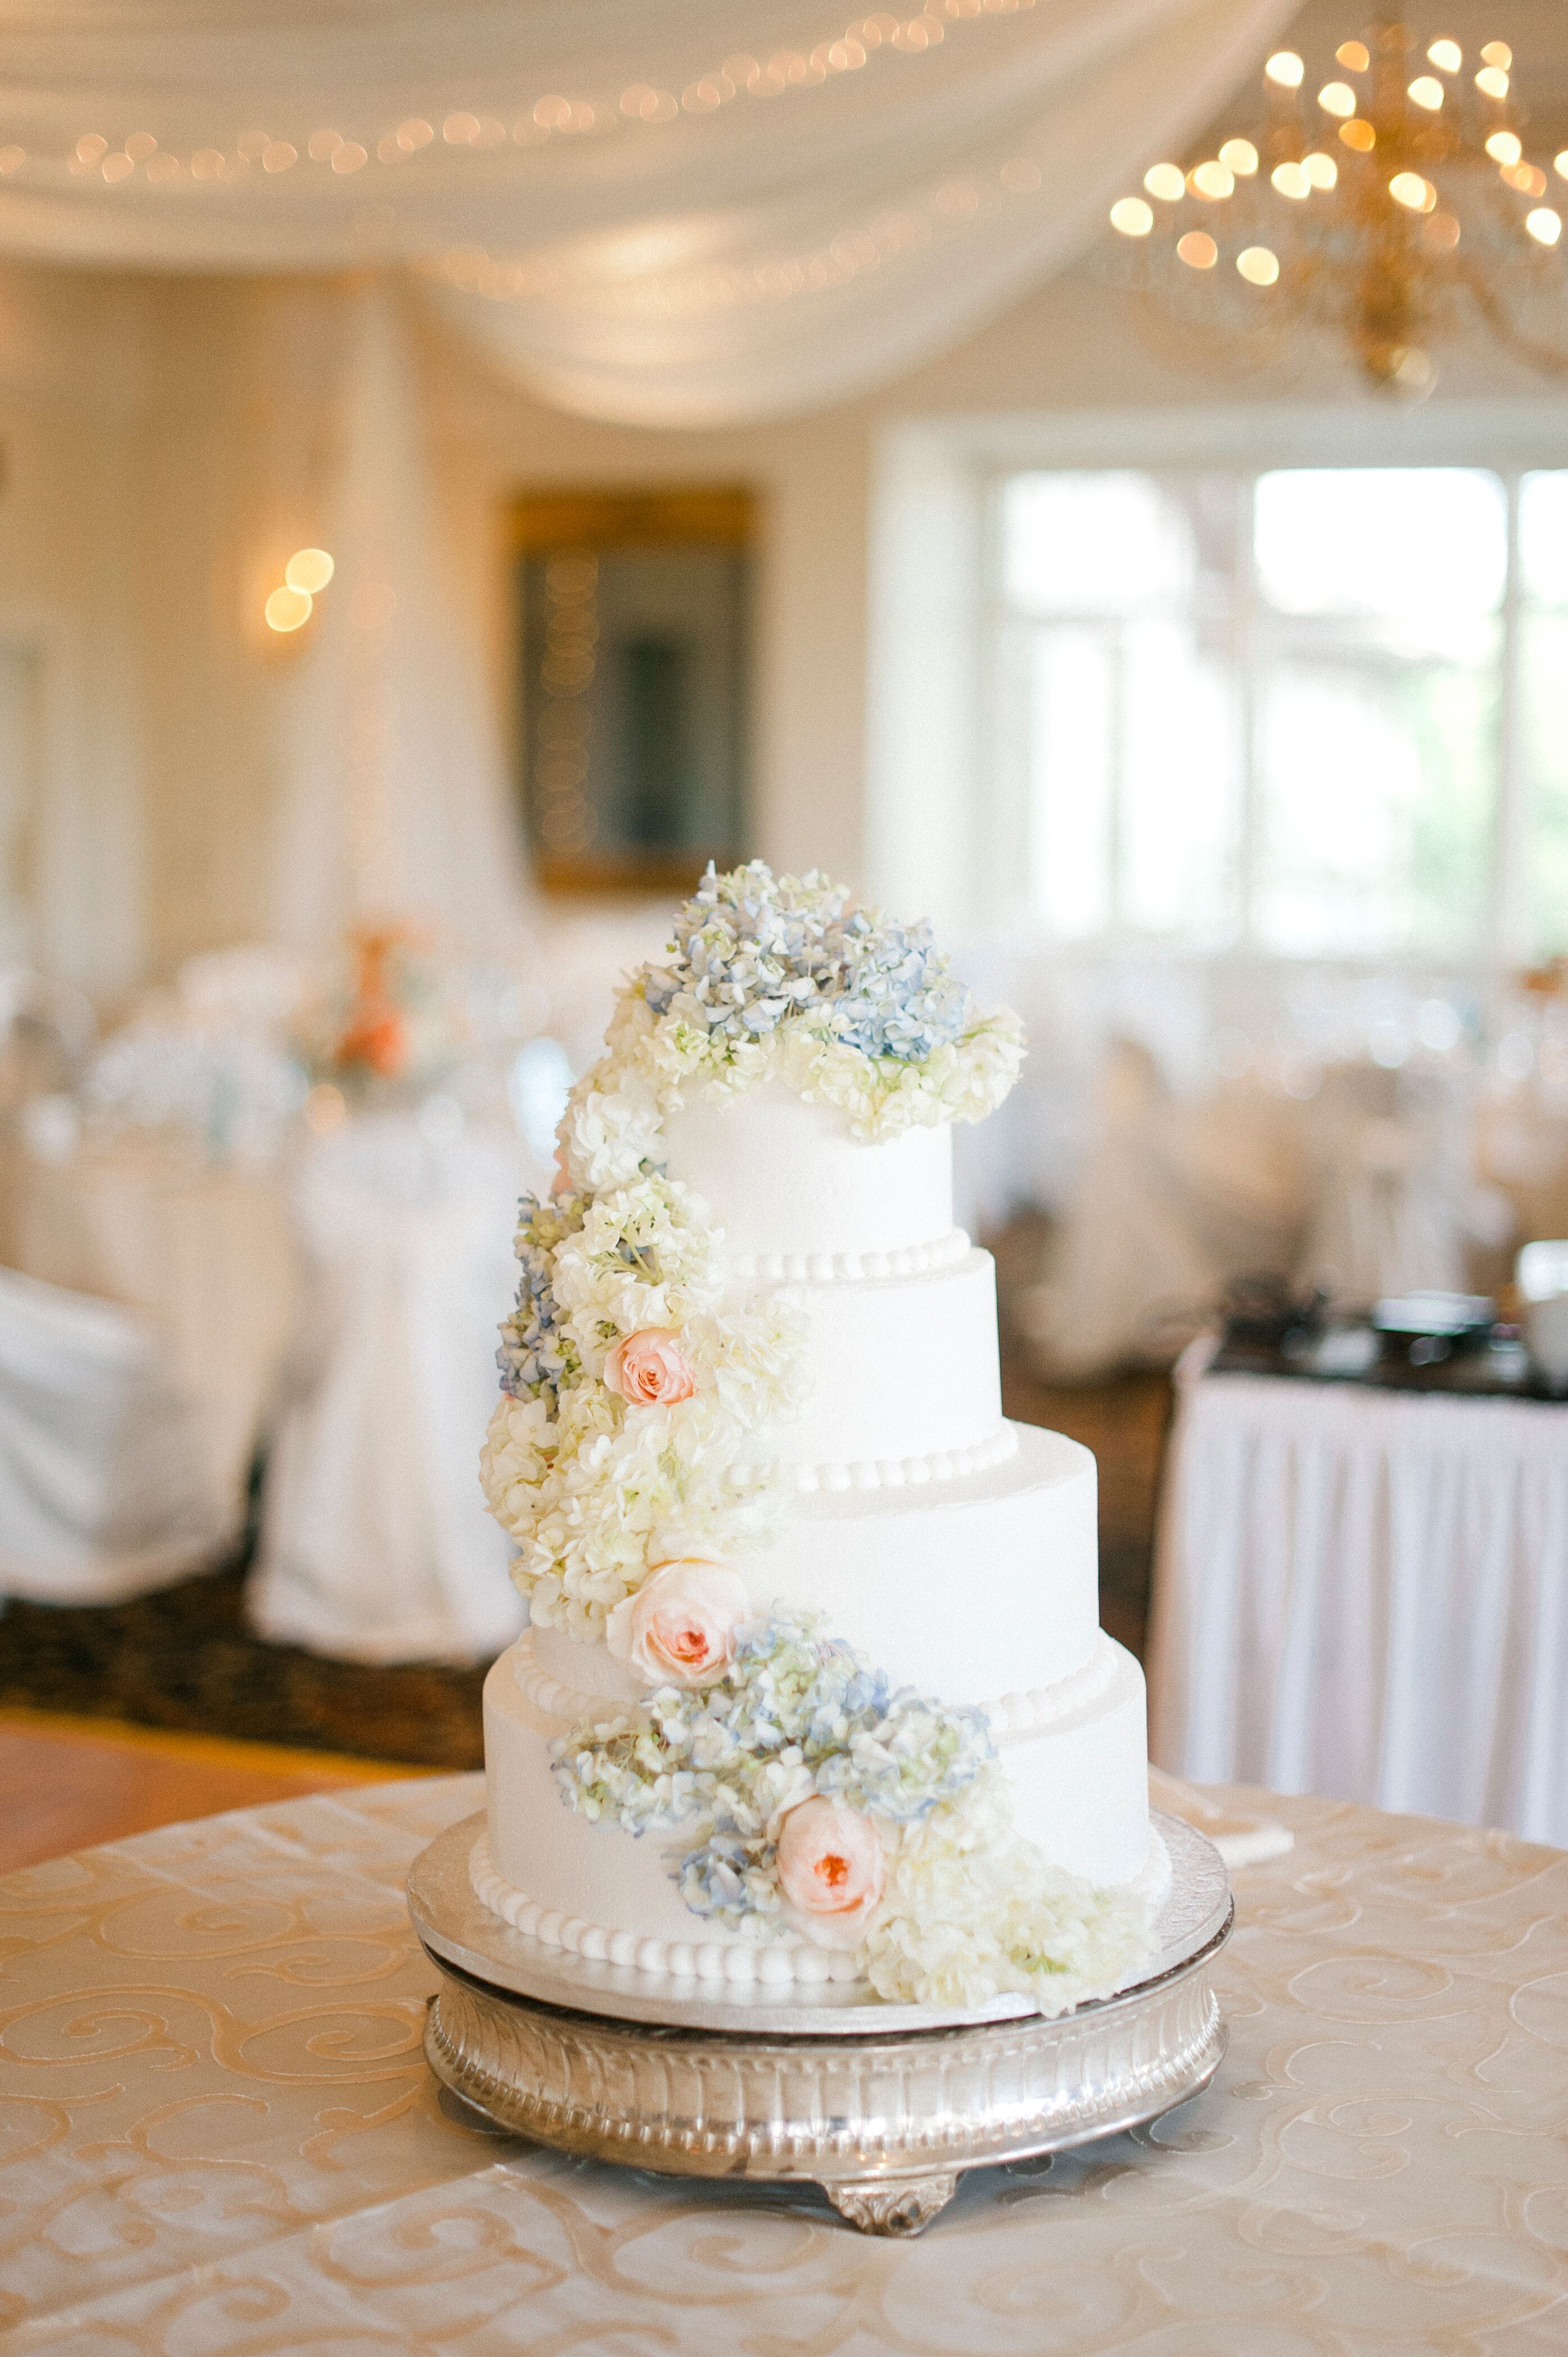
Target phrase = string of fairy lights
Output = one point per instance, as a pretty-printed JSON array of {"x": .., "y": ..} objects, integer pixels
[{"x": 781, "y": 73}]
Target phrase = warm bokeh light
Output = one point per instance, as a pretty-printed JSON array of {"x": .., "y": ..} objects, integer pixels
[
  {"x": 1198, "y": 250},
  {"x": 1353, "y": 55},
  {"x": 1132, "y": 216},
  {"x": 1427, "y": 91},
  {"x": 1336, "y": 98},
  {"x": 287, "y": 610},
  {"x": 1166, "y": 181},
  {"x": 1291, "y": 181},
  {"x": 1492, "y": 82},
  {"x": 1447, "y": 55},
  {"x": 1528, "y": 179},
  {"x": 1241, "y": 156},
  {"x": 1256, "y": 265},
  {"x": 1358, "y": 134},
  {"x": 1441, "y": 233},
  {"x": 1544, "y": 225},
  {"x": 309, "y": 570},
  {"x": 140, "y": 146},
  {"x": 1497, "y": 53},
  {"x": 90, "y": 146},
  {"x": 1212, "y": 179},
  {"x": 1504, "y": 146},
  {"x": 1559, "y": 163},
  {"x": 1320, "y": 169},
  {"x": 1408, "y": 188},
  {"x": 277, "y": 156},
  {"x": 1285, "y": 69}
]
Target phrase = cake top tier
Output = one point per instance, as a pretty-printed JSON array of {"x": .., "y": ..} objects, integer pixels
[{"x": 784, "y": 979}]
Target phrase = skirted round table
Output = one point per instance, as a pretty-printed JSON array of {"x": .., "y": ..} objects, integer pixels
[{"x": 220, "y": 2133}]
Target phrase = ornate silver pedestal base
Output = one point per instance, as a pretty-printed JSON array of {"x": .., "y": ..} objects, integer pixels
[{"x": 871, "y": 2102}]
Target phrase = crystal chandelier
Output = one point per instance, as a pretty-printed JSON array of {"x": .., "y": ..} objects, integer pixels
[{"x": 1392, "y": 205}]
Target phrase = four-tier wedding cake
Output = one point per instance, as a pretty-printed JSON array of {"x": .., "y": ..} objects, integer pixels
[{"x": 814, "y": 1686}]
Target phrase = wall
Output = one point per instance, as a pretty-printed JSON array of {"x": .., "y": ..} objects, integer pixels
[{"x": 169, "y": 442}]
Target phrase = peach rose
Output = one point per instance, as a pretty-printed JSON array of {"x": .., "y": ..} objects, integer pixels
[
  {"x": 561, "y": 1182},
  {"x": 650, "y": 1369},
  {"x": 678, "y": 1629},
  {"x": 831, "y": 1871}
]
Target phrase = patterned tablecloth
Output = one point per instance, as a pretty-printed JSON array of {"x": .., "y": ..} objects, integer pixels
[{"x": 218, "y": 2133}]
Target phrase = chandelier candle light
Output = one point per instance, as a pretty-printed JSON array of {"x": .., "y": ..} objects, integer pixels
[{"x": 1388, "y": 201}]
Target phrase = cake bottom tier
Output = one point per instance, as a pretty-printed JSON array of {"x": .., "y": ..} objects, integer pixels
[{"x": 1077, "y": 1769}]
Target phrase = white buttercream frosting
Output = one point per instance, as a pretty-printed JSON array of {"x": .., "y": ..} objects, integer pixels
[{"x": 786, "y": 1178}]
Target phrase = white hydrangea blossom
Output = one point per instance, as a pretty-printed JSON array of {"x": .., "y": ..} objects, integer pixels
[
  {"x": 972, "y": 1910},
  {"x": 594, "y": 1491},
  {"x": 779, "y": 978}
]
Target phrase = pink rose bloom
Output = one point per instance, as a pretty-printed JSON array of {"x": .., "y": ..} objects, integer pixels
[
  {"x": 650, "y": 1369},
  {"x": 678, "y": 1629},
  {"x": 561, "y": 1182},
  {"x": 831, "y": 1871}
]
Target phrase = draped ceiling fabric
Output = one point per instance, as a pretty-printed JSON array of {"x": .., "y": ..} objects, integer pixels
[
  {"x": 393, "y": 785},
  {"x": 713, "y": 210}
]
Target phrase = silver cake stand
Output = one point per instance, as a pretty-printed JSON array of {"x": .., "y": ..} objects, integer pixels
[{"x": 880, "y": 2104}]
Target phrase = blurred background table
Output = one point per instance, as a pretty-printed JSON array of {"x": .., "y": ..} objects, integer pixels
[
  {"x": 204, "y": 1250},
  {"x": 1364, "y": 1592},
  {"x": 226, "y": 2133}
]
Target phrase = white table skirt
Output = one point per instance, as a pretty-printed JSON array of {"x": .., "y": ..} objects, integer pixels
[
  {"x": 1365, "y": 1593},
  {"x": 223, "y": 2135}
]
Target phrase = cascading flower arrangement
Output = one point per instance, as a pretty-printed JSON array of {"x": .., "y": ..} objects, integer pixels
[{"x": 628, "y": 1459}]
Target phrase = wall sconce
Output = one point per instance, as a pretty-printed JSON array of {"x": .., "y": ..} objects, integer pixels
[{"x": 304, "y": 577}]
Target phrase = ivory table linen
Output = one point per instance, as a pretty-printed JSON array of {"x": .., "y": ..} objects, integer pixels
[
  {"x": 221, "y": 2134},
  {"x": 1365, "y": 1593}
]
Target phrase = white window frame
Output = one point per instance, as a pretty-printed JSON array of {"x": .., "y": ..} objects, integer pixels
[{"x": 945, "y": 828}]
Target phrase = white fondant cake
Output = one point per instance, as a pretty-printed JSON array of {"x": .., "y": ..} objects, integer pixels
[{"x": 954, "y": 1554}]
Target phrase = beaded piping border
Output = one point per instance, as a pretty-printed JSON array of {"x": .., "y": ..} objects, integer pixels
[
  {"x": 848, "y": 1268},
  {"x": 1015, "y": 1717},
  {"x": 707, "y": 1960},
  {"x": 702, "y": 1959},
  {"x": 909, "y": 1472}
]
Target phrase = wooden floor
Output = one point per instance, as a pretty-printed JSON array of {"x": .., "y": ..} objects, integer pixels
[{"x": 69, "y": 1784}]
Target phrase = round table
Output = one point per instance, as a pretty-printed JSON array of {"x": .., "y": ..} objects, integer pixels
[{"x": 220, "y": 2132}]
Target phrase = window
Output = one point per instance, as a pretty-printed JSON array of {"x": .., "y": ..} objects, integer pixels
[{"x": 1315, "y": 712}]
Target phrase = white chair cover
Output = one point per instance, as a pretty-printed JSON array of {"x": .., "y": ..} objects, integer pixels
[
  {"x": 1364, "y": 1594},
  {"x": 1392, "y": 1155},
  {"x": 105, "y": 1486},
  {"x": 1173, "y": 1199},
  {"x": 202, "y": 1253},
  {"x": 376, "y": 1544}
]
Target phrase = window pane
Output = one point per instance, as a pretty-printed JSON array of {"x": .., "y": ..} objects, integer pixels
[
  {"x": 1378, "y": 658},
  {"x": 1376, "y": 791},
  {"x": 1070, "y": 722},
  {"x": 1094, "y": 544},
  {"x": 1425, "y": 546},
  {"x": 1544, "y": 537},
  {"x": 1543, "y": 731},
  {"x": 1180, "y": 785}
]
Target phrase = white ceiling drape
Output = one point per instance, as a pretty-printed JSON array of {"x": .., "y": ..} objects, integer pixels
[
  {"x": 393, "y": 788},
  {"x": 713, "y": 210}
]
